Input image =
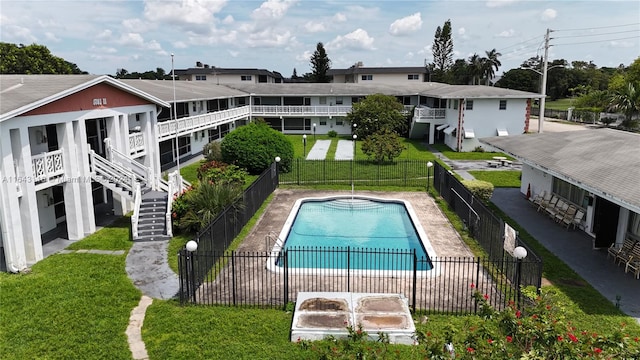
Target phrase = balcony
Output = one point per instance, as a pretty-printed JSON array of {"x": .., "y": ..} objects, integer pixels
[
  {"x": 300, "y": 110},
  {"x": 185, "y": 126},
  {"x": 136, "y": 144},
  {"x": 423, "y": 113},
  {"x": 47, "y": 167}
]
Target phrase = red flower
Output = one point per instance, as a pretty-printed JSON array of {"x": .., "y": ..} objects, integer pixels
[
  {"x": 490, "y": 341},
  {"x": 470, "y": 350},
  {"x": 174, "y": 215},
  {"x": 560, "y": 338},
  {"x": 548, "y": 307},
  {"x": 573, "y": 337},
  {"x": 534, "y": 316},
  {"x": 597, "y": 350},
  {"x": 486, "y": 297},
  {"x": 636, "y": 339},
  {"x": 518, "y": 314},
  {"x": 509, "y": 339},
  {"x": 473, "y": 286}
]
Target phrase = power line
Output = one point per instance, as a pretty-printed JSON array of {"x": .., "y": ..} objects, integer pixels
[
  {"x": 522, "y": 42},
  {"x": 597, "y": 41},
  {"x": 601, "y": 34},
  {"x": 600, "y": 27}
]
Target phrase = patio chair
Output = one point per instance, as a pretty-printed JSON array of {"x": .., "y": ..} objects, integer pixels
[
  {"x": 537, "y": 199},
  {"x": 568, "y": 214},
  {"x": 550, "y": 203},
  {"x": 634, "y": 265},
  {"x": 560, "y": 207},
  {"x": 613, "y": 250},
  {"x": 627, "y": 252},
  {"x": 577, "y": 219}
]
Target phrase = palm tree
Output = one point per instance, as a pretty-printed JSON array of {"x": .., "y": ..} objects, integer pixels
[
  {"x": 491, "y": 63},
  {"x": 475, "y": 68},
  {"x": 207, "y": 201},
  {"x": 627, "y": 101}
]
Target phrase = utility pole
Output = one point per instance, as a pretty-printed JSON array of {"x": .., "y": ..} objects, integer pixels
[{"x": 545, "y": 62}]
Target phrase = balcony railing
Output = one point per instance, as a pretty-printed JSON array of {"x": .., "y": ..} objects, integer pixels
[
  {"x": 184, "y": 126},
  {"x": 136, "y": 144},
  {"x": 277, "y": 110},
  {"x": 47, "y": 166},
  {"x": 425, "y": 113}
]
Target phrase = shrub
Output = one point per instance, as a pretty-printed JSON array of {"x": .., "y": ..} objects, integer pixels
[
  {"x": 332, "y": 133},
  {"x": 479, "y": 188},
  {"x": 212, "y": 151},
  {"x": 255, "y": 146},
  {"x": 219, "y": 172},
  {"x": 203, "y": 203},
  {"x": 478, "y": 149}
]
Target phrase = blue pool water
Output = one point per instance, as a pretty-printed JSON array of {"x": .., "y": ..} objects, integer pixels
[{"x": 355, "y": 234}]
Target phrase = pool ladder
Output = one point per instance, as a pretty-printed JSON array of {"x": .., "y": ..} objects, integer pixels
[{"x": 270, "y": 238}]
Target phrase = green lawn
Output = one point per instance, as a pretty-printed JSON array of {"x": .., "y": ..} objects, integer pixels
[
  {"x": 472, "y": 155},
  {"x": 560, "y": 104},
  {"x": 507, "y": 178}
]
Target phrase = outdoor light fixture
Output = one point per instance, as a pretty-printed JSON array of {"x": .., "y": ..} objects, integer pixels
[
  {"x": 519, "y": 253},
  {"x": 192, "y": 246},
  {"x": 304, "y": 145},
  {"x": 314, "y": 131},
  {"x": 429, "y": 166}
]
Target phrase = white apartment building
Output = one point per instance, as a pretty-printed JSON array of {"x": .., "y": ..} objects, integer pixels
[{"x": 72, "y": 142}]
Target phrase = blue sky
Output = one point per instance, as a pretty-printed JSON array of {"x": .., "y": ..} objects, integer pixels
[{"x": 280, "y": 35}]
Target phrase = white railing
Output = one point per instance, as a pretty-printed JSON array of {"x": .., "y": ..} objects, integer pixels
[
  {"x": 425, "y": 113},
  {"x": 144, "y": 173},
  {"x": 136, "y": 144},
  {"x": 184, "y": 126},
  {"x": 174, "y": 185},
  {"x": 277, "y": 110},
  {"x": 111, "y": 174},
  {"x": 137, "y": 200},
  {"x": 47, "y": 166}
]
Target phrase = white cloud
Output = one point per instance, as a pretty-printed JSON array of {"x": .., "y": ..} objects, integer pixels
[
  {"x": 621, "y": 44},
  {"x": 228, "y": 20},
  {"x": 461, "y": 31},
  {"x": 105, "y": 34},
  {"x": 180, "y": 45},
  {"x": 51, "y": 37},
  {"x": 269, "y": 38},
  {"x": 191, "y": 15},
  {"x": 339, "y": 17},
  {"x": 306, "y": 56},
  {"x": 135, "y": 25},
  {"x": 102, "y": 50},
  {"x": 506, "y": 33},
  {"x": 499, "y": 3},
  {"x": 406, "y": 25},
  {"x": 19, "y": 34},
  {"x": 272, "y": 10},
  {"x": 358, "y": 39},
  {"x": 233, "y": 53},
  {"x": 548, "y": 15},
  {"x": 313, "y": 27}
]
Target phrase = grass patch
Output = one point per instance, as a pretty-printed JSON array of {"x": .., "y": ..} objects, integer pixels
[
  {"x": 116, "y": 236},
  {"x": 560, "y": 104},
  {"x": 73, "y": 306},
  {"x": 508, "y": 178},
  {"x": 455, "y": 155},
  {"x": 190, "y": 172}
]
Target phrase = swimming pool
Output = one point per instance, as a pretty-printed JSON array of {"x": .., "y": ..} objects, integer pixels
[{"x": 352, "y": 233}]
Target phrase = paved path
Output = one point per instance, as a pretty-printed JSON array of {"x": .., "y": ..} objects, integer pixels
[
  {"x": 319, "y": 150},
  {"x": 149, "y": 270},
  {"x": 344, "y": 150}
]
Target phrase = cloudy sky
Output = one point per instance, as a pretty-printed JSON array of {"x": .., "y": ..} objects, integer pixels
[{"x": 280, "y": 35}]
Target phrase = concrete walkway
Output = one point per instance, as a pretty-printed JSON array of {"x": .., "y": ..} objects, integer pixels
[
  {"x": 149, "y": 270},
  {"x": 575, "y": 248},
  {"x": 319, "y": 150},
  {"x": 344, "y": 150}
]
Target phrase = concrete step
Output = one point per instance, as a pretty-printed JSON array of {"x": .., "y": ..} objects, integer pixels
[{"x": 152, "y": 238}]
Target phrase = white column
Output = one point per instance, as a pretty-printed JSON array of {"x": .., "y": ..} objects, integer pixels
[
  {"x": 432, "y": 130},
  {"x": 12, "y": 236},
  {"x": 71, "y": 189},
  {"x": 84, "y": 176},
  {"x": 114, "y": 127},
  {"x": 28, "y": 203},
  {"x": 623, "y": 224}
]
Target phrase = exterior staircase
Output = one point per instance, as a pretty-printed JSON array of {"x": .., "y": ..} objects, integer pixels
[{"x": 152, "y": 222}]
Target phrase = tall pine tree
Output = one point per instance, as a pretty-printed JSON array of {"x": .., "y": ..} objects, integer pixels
[
  {"x": 320, "y": 64},
  {"x": 442, "y": 48}
]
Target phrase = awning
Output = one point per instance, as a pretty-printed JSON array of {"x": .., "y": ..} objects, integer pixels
[
  {"x": 440, "y": 127},
  {"x": 449, "y": 130},
  {"x": 503, "y": 132},
  {"x": 469, "y": 134}
]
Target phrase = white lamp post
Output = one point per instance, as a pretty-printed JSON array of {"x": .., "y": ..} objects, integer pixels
[
  {"x": 191, "y": 246},
  {"x": 304, "y": 145},
  {"x": 314, "y": 131},
  {"x": 519, "y": 253},
  {"x": 429, "y": 166}
]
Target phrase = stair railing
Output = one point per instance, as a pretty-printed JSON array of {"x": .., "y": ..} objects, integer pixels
[
  {"x": 144, "y": 173},
  {"x": 106, "y": 172},
  {"x": 137, "y": 200},
  {"x": 168, "y": 224}
]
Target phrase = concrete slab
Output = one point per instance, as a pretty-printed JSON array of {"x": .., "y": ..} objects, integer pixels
[
  {"x": 575, "y": 248},
  {"x": 344, "y": 151},
  {"x": 319, "y": 150},
  {"x": 148, "y": 268}
]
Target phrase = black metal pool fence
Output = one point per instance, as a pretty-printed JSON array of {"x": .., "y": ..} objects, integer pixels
[
  {"x": 268, "y": 279},
  {"x": 213, "y": 275}
]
